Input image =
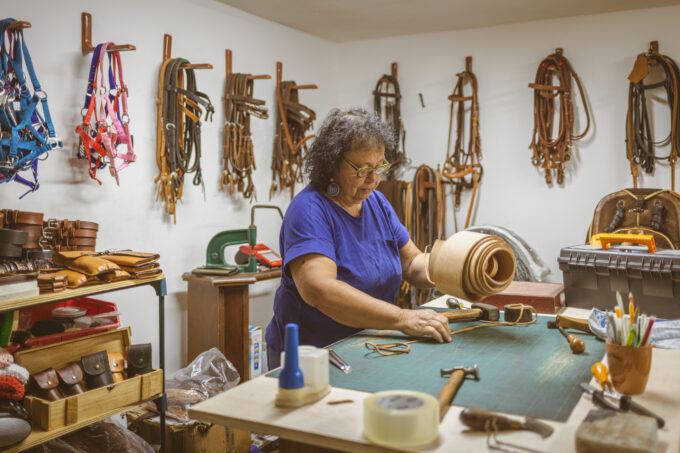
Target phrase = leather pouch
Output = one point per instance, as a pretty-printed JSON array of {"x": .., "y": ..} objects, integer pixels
[
  {"x": 139, "y": 359},
  {"x": 114, "y": 276},
  {"x": 117, "y": 365},
  {"x": 96, "y": 369},
  {"x": 84, "y": 262},
  {"x": 71, "y": 380},
  {"x": 131, "y": 259},
  {"x": 144, "y": 271},
  {"x": 45, "y": 385},
  {"x": 74, "y": 279}
]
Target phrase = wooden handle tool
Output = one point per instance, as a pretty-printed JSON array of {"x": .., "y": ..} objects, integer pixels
[
  {"x": 575, "y": 343},
  {"x": 457, "y": 374},
  {"x": 573, "y": 323}
]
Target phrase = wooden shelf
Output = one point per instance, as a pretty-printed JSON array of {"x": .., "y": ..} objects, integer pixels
[
  {"x": 235, "y": 279},
  {"x": 67, "y": 294},
  {"x": 38, "y": 436}
]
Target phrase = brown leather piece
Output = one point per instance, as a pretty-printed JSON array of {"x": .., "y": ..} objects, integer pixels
[
  {"x": 71, "y": 377},
  {"x": 75, "y": 279},
  {"x": 114, "y": 276},
  {"x": 640, "y": 69},
  {"x": 139, "y": 359},
  {"x": 84, "y": 262},
  {"x": 130, "y": 258},
  {"x": 13, "y": 217},
  {"x": 96, "y": 369},
  {"x": 117, "y": 365},
  {"x": 45, "y": 385}
]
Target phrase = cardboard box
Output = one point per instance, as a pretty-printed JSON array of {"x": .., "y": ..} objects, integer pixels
[
  {"x": 50, "y": 415},
  {"x": 255, "y": 337}
]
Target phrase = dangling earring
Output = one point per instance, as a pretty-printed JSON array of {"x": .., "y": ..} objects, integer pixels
[{"x": 333, "y": 188}]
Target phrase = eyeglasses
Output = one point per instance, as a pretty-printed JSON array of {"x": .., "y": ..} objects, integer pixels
[{"x": 365, "y": 171}]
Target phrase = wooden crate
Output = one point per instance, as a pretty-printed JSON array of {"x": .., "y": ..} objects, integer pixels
[{"x": 50, "y": 415}]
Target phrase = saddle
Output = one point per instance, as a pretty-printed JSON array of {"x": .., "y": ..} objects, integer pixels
[
  {"x": 26, "y": 130},
  {"x": 239, "y": 160},
  {"x": 290, "y": 142},
  {"x": 387, "y": 104},
  {"x": 547, "y": 152},
  {"x": 462, "y": 167},
  {"x": 640, "y": 149},
  {"x": 178, "y": 138},
  {"x": 105, "y": 125}
]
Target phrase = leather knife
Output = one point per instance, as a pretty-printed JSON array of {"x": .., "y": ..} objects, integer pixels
[{"x": 626, "y": 403}]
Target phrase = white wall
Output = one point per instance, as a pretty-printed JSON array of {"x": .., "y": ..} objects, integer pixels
[
  {"x": 601, "y": 48},
  {"x": 513, "y": 194},
  {"x": 128, "y": 215}
]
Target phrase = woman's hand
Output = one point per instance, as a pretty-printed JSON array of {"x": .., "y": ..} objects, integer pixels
[{"x": 425, "y": 323}]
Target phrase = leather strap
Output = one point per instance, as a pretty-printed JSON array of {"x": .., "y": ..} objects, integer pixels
[
  {"x": 13, "y": 237},
  {"x": 548, "y": 152},
  {"x": 387, "y": 104},
  {"x": 178, "y": 149},
  {"x": 14, "y": 217},
  {"x": 640, "y": 149},
  {"x": 290, "y": 142},
  {"x": 239, "y": 159},
  {"x": 462, "y": 167}
]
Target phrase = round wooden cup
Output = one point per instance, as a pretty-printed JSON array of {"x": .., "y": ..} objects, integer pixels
[{"x": 629, "y": 367}]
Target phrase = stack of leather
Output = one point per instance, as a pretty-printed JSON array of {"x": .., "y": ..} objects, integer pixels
[
  {"x": 28, "y": 222},
  {"x": 52, "y": 283},
  {"x": 88, "y": 268},
  {"x": 67, "y": 235}
]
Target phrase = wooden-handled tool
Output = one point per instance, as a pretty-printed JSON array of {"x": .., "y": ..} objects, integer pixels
[
  {"x": 484, "y": 312},
  {"x": 457, "y": 374},
  {"x": 575, "y": 343},
  {"x": 573, "y": 323},
  {"x": 601, "y": 373},
  {"x": 481, "y": 420}
]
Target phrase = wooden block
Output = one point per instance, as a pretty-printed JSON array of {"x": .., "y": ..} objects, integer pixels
[
  {"x": 622, "y": 432},
  {"x": 544, "y": 297}
]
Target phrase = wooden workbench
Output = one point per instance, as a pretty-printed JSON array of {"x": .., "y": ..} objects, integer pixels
[
  {"x": 250, "y": 406},
  {"x": 218, "y": 315}
]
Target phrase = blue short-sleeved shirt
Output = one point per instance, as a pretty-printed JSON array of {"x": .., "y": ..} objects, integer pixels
[{"x": 365, "y": 250}]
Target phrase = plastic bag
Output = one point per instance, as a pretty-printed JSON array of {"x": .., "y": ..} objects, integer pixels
[
  {"x": 102, "y": 436},
  {"x": 209, "y": 374}
]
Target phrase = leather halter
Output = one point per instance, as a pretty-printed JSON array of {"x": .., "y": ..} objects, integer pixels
[
  {"x": 552, "y": 153},
  {"x": 105, "y": 125},
  {"x": 639, "y": 134},
  {"x": 462, "y": 167},
  {"x": 27, "y": 134},
  {"x": 290, "y": 142},
  {"x": 178, "y": 144},
  {"x": 239, "y": 160},
  {"x": 387, "y": 104}
]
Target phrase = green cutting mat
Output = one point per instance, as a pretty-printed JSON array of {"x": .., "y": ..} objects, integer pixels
[{"x": 524, "y": 370}]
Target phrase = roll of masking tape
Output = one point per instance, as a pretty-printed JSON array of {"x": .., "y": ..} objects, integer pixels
[{"x": 401, "y": 419}]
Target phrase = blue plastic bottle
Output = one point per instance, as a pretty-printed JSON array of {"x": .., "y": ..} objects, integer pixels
[{"x": 291, "y": 376}]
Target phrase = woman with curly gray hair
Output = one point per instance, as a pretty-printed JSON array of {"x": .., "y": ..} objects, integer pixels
[{"x": 344, "y": 250}]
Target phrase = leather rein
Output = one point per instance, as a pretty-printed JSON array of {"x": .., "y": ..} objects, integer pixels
[
  {"x": 639, "y": 135},
  {"x": 290, "y": 142},
  {"x": 547, "y": 152},
  {"x": 239, "y": 159},
  {"x": 387, "y": 104},
  {"x": 178, "y": 145},
  {"x": 462, "y": 167}
]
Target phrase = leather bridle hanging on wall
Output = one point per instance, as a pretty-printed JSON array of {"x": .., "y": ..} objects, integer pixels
[
  {"x": 387, "y": 104},
  {"x": 547, "y": 152},
  {"x": 462, "y": 167},
  {"x": 639, "y": 134}
]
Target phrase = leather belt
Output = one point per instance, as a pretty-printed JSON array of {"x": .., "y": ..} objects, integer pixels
[
  {"x": 13, "y": 217},
  {"x": 290, "y": 142},
  {"x": 639, "y": 135},
  {"x": 239, "y": 159},
  {"x": 387, "y": 104},
  {"x": 462, "y": 167},
  {"x": 547, "y": 152},
  {"x": 178, "y": 146}
]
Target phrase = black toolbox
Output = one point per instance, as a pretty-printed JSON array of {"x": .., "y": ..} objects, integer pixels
[{"x": 592, "y": 277}]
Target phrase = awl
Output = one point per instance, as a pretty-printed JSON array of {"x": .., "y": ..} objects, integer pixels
[
  {"x": 626, "y": 403},
  {"x": 335, "y": 359}
]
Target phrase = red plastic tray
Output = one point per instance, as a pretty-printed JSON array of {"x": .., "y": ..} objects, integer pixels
[{"x": 93, "y": 307}]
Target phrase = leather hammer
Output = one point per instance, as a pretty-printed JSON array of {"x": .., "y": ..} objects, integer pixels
[
  {"x": 484, "y": 312},
  {"x": 456, "y": 376}
]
